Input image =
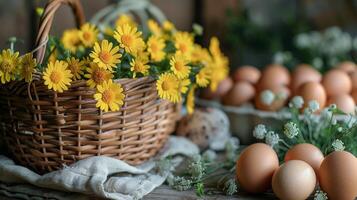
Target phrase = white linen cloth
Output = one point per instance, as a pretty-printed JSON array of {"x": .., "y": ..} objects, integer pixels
[{"x": 97, "y": 176}]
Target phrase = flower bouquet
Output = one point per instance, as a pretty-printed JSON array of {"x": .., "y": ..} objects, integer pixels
[{"x": 101, "y": 93}]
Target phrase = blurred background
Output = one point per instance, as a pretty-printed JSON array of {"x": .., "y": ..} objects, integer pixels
[{"x": 318, "y": 32}]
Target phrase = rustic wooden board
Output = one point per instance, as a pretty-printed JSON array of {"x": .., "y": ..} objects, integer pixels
[{"x": 164, "y": 192}]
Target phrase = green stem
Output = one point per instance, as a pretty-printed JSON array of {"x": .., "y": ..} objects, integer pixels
[{"x": 284, "y": 143}]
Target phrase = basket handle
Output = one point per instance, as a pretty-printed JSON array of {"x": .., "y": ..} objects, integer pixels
[{"x": 47, "y": 20}]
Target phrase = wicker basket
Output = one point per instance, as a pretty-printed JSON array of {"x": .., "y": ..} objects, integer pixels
[{"x": 46, "y": 130}]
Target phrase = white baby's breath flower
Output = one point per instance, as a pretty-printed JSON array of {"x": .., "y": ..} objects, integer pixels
[
  {"x": 230, "y": 187},
  {"x": 296, "y": 102},
  {"x": 317, "y": 62},
  {"x": 209, "y": 155},
  {"x": 197, "y": 167},
  {"x": 320, "y": 195},
  {"x": 314, "y": 106},
  {"x": 291, "y": 130},
  {"x": 307, "y": 113},
  {"x": 197, "y": 29},
  {"x": 350, "y": 121},
  {"x": 259, "y": 131},
  {"x": 332, "y": 107},
  {"x": 326, "y": 113},
  {"x": 338, "y": 145},
  {"x": 231, "y": 147},
  {"x": 278, "y": 57},
  {"x": 272, "y": 138},
  {"x": 340, "y": 129},
  {"x": 334, "y": 121},
  {"x": 302, "y": 40},
  {"x": 179, "y": 183},
  {"x": 267, "y": 97}
]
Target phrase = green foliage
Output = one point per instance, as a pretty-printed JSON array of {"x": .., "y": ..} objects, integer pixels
[
  {"x": 331, "y": 130},
  {"x": 199, "y": 171},
  {"x": 245, "y": 35}
]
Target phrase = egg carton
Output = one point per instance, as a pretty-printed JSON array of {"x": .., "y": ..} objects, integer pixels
[{"x": 244, "y": 118}]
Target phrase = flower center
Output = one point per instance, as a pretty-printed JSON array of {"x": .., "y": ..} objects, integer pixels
[
  {"x": 105, "y": 57},
  {"x": 138, "y": 67},
  {"x": 154, "y": 47},
  {"x": 179, "y": 66},
  {"x": 108, "y": 96},
  {"x": 56, "y": 77},
  {"x": 127, "y": 40},
  {"x": 6, "y": 66},
  {"x": 183, "y": 47},
  {"x": 74, "y": 68},
  {"x": 166, "y": 85},
  {"x": 86, "y": 35},
  {"x": 98, "y": 76}
]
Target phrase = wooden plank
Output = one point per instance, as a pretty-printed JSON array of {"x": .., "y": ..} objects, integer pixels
[{"x": 164, "y": 193}]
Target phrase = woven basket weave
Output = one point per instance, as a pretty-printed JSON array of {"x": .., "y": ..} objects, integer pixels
[{"x": 46, "y": 130}]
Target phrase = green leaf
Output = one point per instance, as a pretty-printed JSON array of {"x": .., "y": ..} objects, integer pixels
[{"x": 199, "y": 188}]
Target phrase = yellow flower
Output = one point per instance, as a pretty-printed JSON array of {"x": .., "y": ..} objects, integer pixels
[
  {"x": 96, "y": 75},
  {"x": 109, "y": 96},
  {"x": 9, "y": 61},
  {"x": 53, "y": 55},
  {"x": 57, "y": 76},
  {"x": 142, "y": 55},
  {"x": 214, "y": 47},
  {"x": 219, "y": 65},
  {"x": 28, "y": 64},
  {"x": 200, "y": 54},
  {"x": 71, "y": 40},
  {"x": 184, "y": 43},
  {"x": 168, "y": 87},
  {"x": 179, "y": 66},
  {"x": 190, "y": 101},
  {"x": 125, "y": 19},
  {"x": 129, "y": 38},
  {"x": 219, "y": 71},
  {"x": 88, "y": 34},
  {"x": 105, "y": 55},
  {"x": 156, "y": 47},
  {"x": 168, "y": 26},
  {"x": 139, "y": 66},
  {"x": 76, "y": 66},
  {"x": 154, "y": 27},
  {"x": 108, "y": 30},
  {"x": 202, "y": 78},
  {"x": 183, "y": 85}
]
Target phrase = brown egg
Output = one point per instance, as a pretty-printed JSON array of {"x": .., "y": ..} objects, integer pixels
[
  {"x": 346, "y": 66},
  {"x": 255, "y": 167},
  {"x": 222, "y": 89},
  {"x": 294, "y": 180},
  {"x": 240, "y": 93},
  {"x": 274, "y": 75},
  {"x": 282, "y": 94},
  {"x": 336, "y": 82},
  {"x": 344, "y": 102},
  {"x": 302, "y": 74},
  {"x": 338, "y": 176},
  {"x": 353, "y": 77},
  {"x": 308, "y": 153},
  {"x": 354, "y": 95},
  {"x": 313, "y": 91},
  {"x": 247, "y": 73}
]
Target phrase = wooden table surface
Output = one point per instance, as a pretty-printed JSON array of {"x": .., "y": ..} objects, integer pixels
[{"x": 165, "y": 193}]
